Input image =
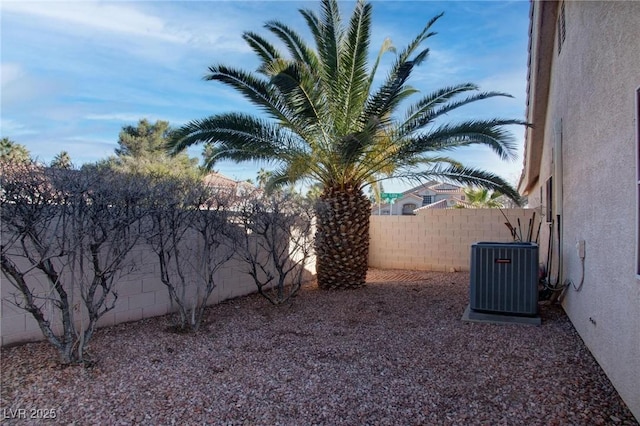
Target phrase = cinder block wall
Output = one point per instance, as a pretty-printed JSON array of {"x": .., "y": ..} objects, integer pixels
[
  {"x": 141, "y": 294},
  {"x": 434, "y": 240},
  {"x": 439, "y": 240}
]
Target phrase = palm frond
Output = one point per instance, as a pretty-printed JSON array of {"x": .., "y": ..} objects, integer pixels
[
  {"x": 237, "y": 137},
  {"x": 393, "y": 91},
  {"x": 471, "y": 176},
  {"x": 478, "y": 132},
  {"x": 354, "y": 55},
  {"x": 430, "y": 101},
  {"x": 296, "y": 85},
  {"x": 256, "y": 90},
  {"x": 265, "y": 50},
  {"x": 292, "y": 171},
  {"x": 429, "y": 114},
  {"x": 402, "y": 168},
  {"x": 295, "y": 44},
  {"x": 328, "y": 45},
  {"x": 386, "y": 98},
  {"x": 428, "y": 160},
  {"x": 312, "y": 22},
  {"x": 387, "y": 46},
  {"x": 419, "y": 39},
  {"x": 259, "y": 92},
  {"x": 278, "y": 179},
  {"x": 275, "y": 67},
  {"x": 351, "y": 147},
  {"x": 326, "y": 121}
]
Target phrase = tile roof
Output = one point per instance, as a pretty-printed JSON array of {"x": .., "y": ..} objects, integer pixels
[
  {"x": 444, "y": 204},
  {"x": 436, "y": 187},
  {"x": 217, "y": 180}
]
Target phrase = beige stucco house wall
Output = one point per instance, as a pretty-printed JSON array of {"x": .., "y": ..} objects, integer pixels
[{"x": 584, "y": 74}]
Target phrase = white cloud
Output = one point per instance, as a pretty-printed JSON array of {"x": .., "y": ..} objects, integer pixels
[
  {"x": 141, "y": 24},
  {"x": 10, "y": 128},
  {"x": 117, "y": 117},
  {"x": 440, "y": 66},
  {"x": 19, "y": 87},
  {"x": 110, "y": 17},
  {"x": 512, "y": 81},
  {"x": 132, "y": 117},
  {"x": 9, "y": 73}
]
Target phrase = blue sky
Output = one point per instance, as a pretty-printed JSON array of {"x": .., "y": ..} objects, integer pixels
[{"x": 74, "y": 73}]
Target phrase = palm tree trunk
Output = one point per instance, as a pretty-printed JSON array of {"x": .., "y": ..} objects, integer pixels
[{"x": 342, "y": 238}]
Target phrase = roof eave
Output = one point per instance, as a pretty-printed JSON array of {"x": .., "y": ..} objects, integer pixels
[{"x": 542, "y": 26}]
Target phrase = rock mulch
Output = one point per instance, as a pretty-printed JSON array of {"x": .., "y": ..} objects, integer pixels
[{"x": 394, "y": 352}]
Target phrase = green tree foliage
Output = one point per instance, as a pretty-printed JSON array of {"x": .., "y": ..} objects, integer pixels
[
  {"x": 142, "y": 150},
  {"x": 263, "y": 178},
  {"x": 483, "y": 198},
  {"x": 62, "y": 161},
  {"x": 314, "y": 192},
  {"x": 324, "y": 119},
  {"x": 143, "y": 140},
  {"x": 12, "y": 152}
]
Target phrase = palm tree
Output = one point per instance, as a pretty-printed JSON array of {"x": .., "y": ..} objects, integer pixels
[
  {"x": 483, "y": 198},
  {"x": 324, "y": 120},
  {"x": 62, "y": 161},
  {"x": 263, "y": 177},
  {"x": 12, "y": 152}
]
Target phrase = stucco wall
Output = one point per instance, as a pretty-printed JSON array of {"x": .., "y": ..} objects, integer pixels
[
  {"x": 591, "y": 98},
  {"x": 438, "y": 240}
]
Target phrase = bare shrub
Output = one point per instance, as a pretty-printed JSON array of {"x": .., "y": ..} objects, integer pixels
[
  {"x": 191, "y": 235},
  {"x": 66, "y": 239},
  {"x": 275, "y": 243}
]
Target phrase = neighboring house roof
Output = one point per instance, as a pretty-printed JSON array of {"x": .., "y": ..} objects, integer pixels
[
  {"x": 433, "y": 187},
  {"x": 219, "y": 181},
  {"x": 437, "y": 187},
  {"x": 414, "y": 196},
  {"x": 448, "y": 203},
  {"x": 446, "y": 187}
]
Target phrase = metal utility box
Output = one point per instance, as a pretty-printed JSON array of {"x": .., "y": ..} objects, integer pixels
[{"x": 504, "y": 278}]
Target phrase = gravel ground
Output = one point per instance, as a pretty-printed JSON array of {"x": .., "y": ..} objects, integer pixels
[{"x": 392, "y": 353}]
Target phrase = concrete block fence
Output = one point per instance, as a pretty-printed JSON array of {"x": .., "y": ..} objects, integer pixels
[
  {"x": 434, "y": 240},
  {"x": 438, "y": 240},
  {"x": 141, "y": 295}
]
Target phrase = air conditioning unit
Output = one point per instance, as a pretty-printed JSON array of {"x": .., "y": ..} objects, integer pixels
[{"x": 504, "y": 278}]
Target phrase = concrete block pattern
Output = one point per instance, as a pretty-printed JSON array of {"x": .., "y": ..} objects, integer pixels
[
  {"x": 155, "y": 310},
  {"x": 142, "y": 300},
  {"x": 13, "y": 324},
  {"x": 127, "y": 316},
  {"x": 127, "y": 288},
  {"x": 437, "y": 239},
  {"x": 107, "y": 319},
  {"x": 152, "y": 283},
  {"x": 24, "y": 336}
]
